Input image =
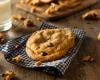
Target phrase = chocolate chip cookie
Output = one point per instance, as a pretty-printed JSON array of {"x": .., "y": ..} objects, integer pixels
[{"x": 49, "y": 44}]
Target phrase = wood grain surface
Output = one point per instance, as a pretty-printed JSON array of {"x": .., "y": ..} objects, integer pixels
[{"x": 78, "y": 70}]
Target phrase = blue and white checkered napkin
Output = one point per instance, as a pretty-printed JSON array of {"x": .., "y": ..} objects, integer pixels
[{"x": 58, "y": 67}]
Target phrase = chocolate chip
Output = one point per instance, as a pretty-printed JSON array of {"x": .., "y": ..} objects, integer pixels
[{"x": 43, "y": 53}]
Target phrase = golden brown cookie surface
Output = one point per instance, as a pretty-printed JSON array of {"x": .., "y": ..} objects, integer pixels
[{"x": 49, "y": 44}]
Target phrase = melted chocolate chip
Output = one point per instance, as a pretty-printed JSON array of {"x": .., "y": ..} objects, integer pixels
[{"x": 43, "y": 53}]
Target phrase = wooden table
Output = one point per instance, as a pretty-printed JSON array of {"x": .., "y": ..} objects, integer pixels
[{"x": 78, "y": 69}]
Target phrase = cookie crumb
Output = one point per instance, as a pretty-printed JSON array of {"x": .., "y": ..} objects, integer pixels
[
  {"x": 98, "y": 36},
  {"x": 28, "y": 23},
  {"x": 8, "y": 75},
  {"x": 17, "y": 58}
]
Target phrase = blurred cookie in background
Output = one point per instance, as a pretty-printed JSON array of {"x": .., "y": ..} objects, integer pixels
[{"x": 92, "y": 15}]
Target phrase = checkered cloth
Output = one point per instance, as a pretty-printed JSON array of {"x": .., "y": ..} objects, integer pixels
[{"x": 17, "y": 47}]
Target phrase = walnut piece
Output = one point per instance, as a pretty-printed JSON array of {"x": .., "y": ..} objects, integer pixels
[
  {"x": 17, "y": 58},
  {"x": 92, "y": 15},
  {"x": 28, "y": 23},
  {"x": 88, "y": 59},
  {"x": 8, "y": 75}
]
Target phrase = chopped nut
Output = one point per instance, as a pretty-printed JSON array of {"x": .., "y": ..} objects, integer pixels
[
  {"x": 8, "y": 75},
  {"x": 98, "y": 36},
  {"x": 2, "y": 37},
  {"x": 17, "y": 58},
  {"x": 28, "y": 23},
  {"x": 88, "y": 59}
]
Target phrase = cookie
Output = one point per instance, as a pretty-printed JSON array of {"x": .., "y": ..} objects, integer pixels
[
  {"x": 92, "y": 15},
  {"x": 62, "y": 5},
  {"x": 49, "y": 44}
]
